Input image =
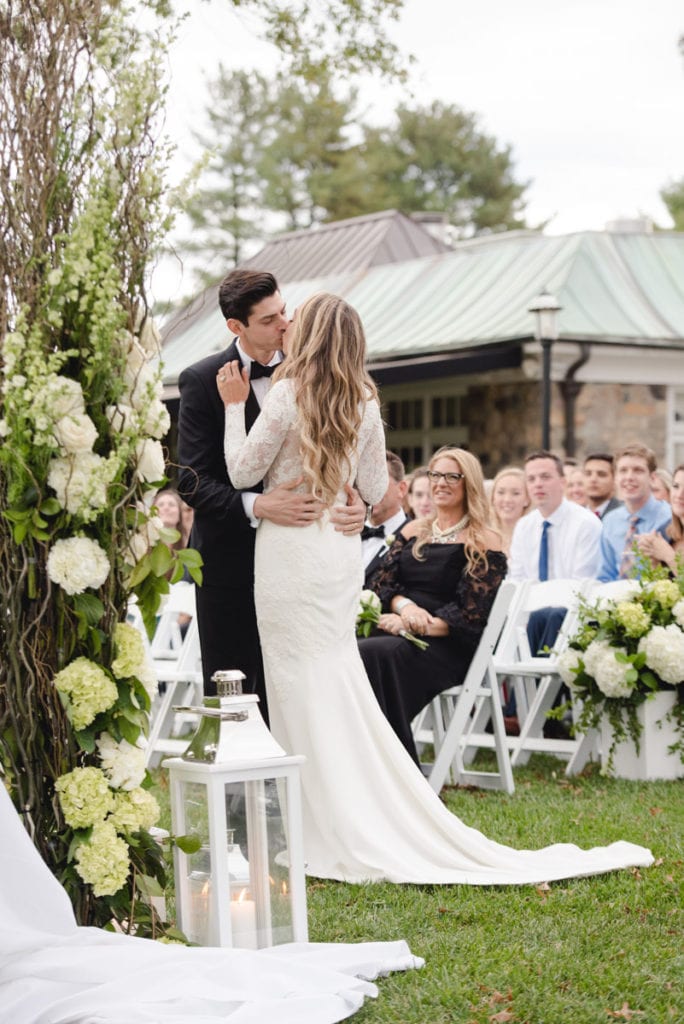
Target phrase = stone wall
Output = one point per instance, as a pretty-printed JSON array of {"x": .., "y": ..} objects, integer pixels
[{"x": 504, "y": 420}]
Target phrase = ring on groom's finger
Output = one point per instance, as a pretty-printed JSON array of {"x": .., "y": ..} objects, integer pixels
[{"x": 222, "y": 376}]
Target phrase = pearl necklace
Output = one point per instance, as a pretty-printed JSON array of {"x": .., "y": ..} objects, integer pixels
[{"x": 448, "y": 536}]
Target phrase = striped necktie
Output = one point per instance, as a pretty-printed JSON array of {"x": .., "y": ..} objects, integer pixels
[{"x": 628, "y": 554}]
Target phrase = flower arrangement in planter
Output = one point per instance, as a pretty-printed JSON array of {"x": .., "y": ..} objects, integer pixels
[{"x": 626, "y": 649}]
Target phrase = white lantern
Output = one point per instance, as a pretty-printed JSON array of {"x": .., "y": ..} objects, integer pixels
[{"x": 238, "y": 791}]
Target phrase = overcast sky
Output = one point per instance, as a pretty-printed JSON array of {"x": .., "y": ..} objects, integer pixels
[{"x": 589, "y": 94}]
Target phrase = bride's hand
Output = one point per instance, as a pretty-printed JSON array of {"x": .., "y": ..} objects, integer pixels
[
  {"x": 349, "y": 519},
  {"x": 232, "y": 382}
]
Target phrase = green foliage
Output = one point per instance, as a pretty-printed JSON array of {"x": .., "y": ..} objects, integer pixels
[
  {"x": 673, "y": 197},
  {"x": 299, "y": 149}
]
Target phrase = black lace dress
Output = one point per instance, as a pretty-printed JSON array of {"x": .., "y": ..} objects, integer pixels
[{"x": 404, "y": 678}]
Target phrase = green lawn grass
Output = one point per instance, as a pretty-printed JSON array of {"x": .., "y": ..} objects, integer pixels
[{"x": 582, "y": 951}]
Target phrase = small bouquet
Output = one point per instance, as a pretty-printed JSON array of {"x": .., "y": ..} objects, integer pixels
[{"x": 370, "y": 610}]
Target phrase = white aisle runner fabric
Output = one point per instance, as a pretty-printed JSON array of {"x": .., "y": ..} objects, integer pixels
[{"x": 54, "y": 972}]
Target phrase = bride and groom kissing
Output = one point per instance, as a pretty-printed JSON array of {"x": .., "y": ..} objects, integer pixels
[{"x": 283, "y": 454}]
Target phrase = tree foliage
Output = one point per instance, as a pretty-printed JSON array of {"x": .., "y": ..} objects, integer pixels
[
  {"x": 673, "y": 197},
  {"x": 299, "y": 149}
]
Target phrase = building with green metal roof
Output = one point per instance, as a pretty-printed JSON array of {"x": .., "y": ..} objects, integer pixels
[{"x": 452, "y": 344}]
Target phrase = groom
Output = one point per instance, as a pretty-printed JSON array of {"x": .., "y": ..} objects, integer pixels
[{"x": 225, "y": 520}]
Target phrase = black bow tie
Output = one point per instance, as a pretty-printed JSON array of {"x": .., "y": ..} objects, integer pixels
[
  {"x": 256, "y": 370},
  {"x": 372, "y": 531}
]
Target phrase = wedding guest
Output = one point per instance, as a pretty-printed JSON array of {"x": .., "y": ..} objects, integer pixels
[
  {"x": 574, "y": 486},
  {"x": 509, "y": 502},
  {"x": 668, "y": 550},
  {"x": 169, "y": 505},
  {"x": 661, "y": 485},
  {"x": 418, "y": 498},
  {"x": 438, "y": 581},
  {"x": 599, "y": 483},
  {"x": 558, "y": 539},
  {"x": 226, "y": 518},
  {"x": 385, "y": 520},
  {"x": 635, "y": 465}
]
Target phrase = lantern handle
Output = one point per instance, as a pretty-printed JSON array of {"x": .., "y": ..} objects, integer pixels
[{"x": 223, "y": 716}]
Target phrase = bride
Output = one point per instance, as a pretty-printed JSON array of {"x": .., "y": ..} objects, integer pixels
[{"x": 369, "y": 813}]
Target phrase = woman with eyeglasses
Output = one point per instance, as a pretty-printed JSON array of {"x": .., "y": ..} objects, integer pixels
[{"x": 438, "y": 581}]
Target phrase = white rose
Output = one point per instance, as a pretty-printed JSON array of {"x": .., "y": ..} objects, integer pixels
[
  {"x": 141, "y": 387},
  {"x": 76, "y": 564},
  {"x": 4, "y": 428},
  {"x": 122, "y": 418},
  {"x": 150, "y": 467},
  {"x": 61, "y": 396},
  {"x": 136, "y": 548},
  {"x": 76, "y": 433}
]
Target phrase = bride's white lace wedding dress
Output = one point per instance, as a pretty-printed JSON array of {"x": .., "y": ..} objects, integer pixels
[
  {"x": 368, "y": 811},
  {"x": 53, "y": 972}
]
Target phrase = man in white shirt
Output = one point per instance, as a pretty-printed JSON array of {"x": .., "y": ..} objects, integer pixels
[
  {"x": 558, "y": 540},
  {"x": 571, "y": 538},
  {"x": 385, "y": 520}
]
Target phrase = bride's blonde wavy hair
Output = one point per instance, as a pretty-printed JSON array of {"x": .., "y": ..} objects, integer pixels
[
  {"x": 326, "y": 361},
  {"x": 474, "y": 503}
]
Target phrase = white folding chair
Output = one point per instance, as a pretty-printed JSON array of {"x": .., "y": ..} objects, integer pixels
[
  {"x": 183, "y": 685},
  {"x": 536, "y": 681},
  {"x": 455, "y": 707}
]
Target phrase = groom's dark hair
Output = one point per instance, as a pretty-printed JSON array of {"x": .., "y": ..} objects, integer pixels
[{"x": 240, "y": 290}]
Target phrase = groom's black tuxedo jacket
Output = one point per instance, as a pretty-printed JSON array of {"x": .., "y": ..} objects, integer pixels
[{"x": 221, "y": 531}]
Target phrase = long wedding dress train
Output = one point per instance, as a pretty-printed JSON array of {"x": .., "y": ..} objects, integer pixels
[
  {"x": 54, "y": 972},
  {"x": 369, "y": 813}
]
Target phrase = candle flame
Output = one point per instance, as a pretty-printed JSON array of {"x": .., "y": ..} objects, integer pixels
[
  {"x": 241, "y": 898},
  {"x": 284, "y": 888}
]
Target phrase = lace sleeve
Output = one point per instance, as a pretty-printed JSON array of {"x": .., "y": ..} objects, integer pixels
[
  {"x": 387, "y": 579},
  {"x": 467, "y": 614},
  {"x": 372, "y": 479},
  {"x": 249, "y": 457}
]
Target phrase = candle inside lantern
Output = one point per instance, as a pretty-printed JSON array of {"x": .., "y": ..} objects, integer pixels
[
  {"x": 243, "y": 921},
  {"x": 199, "y": 885}
]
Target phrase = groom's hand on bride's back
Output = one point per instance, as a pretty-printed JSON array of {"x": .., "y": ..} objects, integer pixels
[{"x": 284, "y": 506}]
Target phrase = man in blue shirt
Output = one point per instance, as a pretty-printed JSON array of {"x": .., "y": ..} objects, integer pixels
[{"x": 635, "y": 465}]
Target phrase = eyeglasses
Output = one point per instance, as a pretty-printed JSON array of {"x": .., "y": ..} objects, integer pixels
[{"x": 449, "y": 478}]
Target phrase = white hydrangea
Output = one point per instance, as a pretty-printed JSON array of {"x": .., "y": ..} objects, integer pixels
[
  {"x": 80, "y": 482},
  {"x": 84, "y": 796},
  {"x": 77, "y": 563},
  {"x": 88, "y": 690},
  {"x": 132, "y": 658},
  {"x": 567, "y": 664},
  {"x": 678, "y": 613},
  {"x": 610, "y": 674},
  {"x": 103, "y": 861},
  {"x": 664, "y": 650},
  {"x": 150, "y": 466},
  {"x": 122, "y": 763},
  {"x": 76, "y": 433},
  {"x": 134, "y": 810}
]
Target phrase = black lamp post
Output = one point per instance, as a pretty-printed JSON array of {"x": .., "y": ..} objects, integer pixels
[{"x": 546, "y": 308}]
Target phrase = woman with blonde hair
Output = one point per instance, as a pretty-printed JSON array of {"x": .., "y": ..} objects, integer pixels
[
  {"x": 368, "y": 812},
  {"x": 509, "y": 502},
  {"x": 439, "y": 580}
]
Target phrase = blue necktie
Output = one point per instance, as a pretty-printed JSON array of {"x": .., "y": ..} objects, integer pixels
[{"x": 544, "y": 552}]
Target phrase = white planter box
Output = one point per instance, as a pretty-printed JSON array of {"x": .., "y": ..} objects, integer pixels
[{"x": 653, "y": 760}]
